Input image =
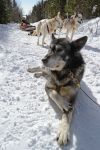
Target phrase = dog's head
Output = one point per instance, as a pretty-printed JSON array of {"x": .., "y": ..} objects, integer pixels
[
  {"x": 59, "y": 20},
  {"x": 79, "y": 18},
  {"x": 64, "y": 54}
]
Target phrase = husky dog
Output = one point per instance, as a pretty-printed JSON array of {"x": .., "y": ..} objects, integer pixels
[
  {"x": 63, "y": 67},
  {"x": 48, "y": 26},
  {"x": 80, "y": 18},
  {"x": 71, "y": 24}
]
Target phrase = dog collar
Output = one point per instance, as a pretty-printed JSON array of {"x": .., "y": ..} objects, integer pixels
[{"x": 78, "y": 85}]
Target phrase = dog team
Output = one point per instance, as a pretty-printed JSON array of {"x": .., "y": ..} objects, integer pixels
[{"x": 49, "y": 26}]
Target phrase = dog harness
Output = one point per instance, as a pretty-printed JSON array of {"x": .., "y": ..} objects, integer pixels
[{"x": 48, "y": 28}]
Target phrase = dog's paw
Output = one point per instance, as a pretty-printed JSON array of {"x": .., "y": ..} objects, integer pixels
[
  {"x": 30, "y": 70},
  {"x": 37, "y": 75},
  {"x": 63, "y": 136}
]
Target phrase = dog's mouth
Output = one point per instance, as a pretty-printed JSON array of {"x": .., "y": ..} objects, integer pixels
[{"x": 55, "y": 65}]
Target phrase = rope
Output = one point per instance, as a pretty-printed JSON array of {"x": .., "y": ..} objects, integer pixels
[
  {"x": 74, "y": 79},
  {"x": 90, "y": 97}
]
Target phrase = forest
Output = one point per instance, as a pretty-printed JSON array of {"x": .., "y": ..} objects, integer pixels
[
  {"x": 11, "y": 12},
  {"x": 49, "y": 8}
]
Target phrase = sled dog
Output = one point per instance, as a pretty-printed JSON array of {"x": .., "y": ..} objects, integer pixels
[
  {"x": 63, "y": 67},
  {"x": 71, "y": 24},
  {"x": 47, "y": 26}
]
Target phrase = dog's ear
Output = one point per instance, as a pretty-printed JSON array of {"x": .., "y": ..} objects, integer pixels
[
  {"x": 58, "y": 15},
  {"x": 79, "y": 43}
]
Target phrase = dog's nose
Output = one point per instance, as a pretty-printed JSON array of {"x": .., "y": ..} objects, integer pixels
[{"x": 44, "y": 60}]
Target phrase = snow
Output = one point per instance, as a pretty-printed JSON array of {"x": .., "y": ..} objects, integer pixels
[{"x": 27, "y": 120}]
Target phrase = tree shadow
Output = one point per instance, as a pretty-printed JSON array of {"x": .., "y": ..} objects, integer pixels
[
  {"x": 85, "y": 129},
  {"x": 4, "y": 33},
  {"x": 88, "y": 47},
  {"x": 86, "y": 123}
]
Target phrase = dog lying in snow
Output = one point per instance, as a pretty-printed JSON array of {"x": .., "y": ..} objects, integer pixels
[{"x": 63, "y": 67}]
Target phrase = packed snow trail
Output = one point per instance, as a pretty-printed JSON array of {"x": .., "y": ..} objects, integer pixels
[{"x": 27, "y": 120}]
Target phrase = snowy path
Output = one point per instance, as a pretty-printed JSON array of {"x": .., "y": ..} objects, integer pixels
[{"x": 27, "y": 120}]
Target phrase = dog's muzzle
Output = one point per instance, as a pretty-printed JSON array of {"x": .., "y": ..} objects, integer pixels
[{"x": 44, "y": 60}]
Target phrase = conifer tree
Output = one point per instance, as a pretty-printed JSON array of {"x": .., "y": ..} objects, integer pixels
[{"x": 3, "y": 12}]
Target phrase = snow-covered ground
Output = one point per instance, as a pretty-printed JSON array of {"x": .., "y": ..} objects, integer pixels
[{"x": 27, "y": 120}]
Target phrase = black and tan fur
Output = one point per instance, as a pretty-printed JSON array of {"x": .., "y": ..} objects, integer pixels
[{"x": 63, "y": 67}]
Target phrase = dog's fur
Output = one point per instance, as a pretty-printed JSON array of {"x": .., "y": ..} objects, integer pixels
[
  {"x": 63, "y": 67},
  {"x": 71, "y": 24},
  {"x": 48, "y": 26}
]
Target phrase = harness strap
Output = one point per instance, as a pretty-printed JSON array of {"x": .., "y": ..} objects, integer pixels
[{"x": 48, "y": 28}]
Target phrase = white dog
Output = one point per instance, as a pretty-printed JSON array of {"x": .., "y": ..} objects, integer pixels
[
  {"x": 48, "y": 26},
  {"x": 72, "y": 24}
]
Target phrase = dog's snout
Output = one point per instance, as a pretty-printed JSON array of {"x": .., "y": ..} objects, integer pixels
[{"x": 44, "y": 60}]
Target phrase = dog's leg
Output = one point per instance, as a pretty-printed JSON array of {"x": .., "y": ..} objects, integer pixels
[
  {"x": 63, "y": 130},
  {"x": 39, "y": 71},
  {"x": 59, "y": 33},
  {"x": 64, "y": 127},
  {"x": 33, "y": 70},
  {"x": 60, "y": 101},
  {"x": 73, "y": 31},
  {"x": 38, "y": 74},
  {"x": 43, "y": 38},
  {"x": 38, "y": 31},
  {"x": 67, "y": 32},
  {"x": 38, "y": 35}
]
